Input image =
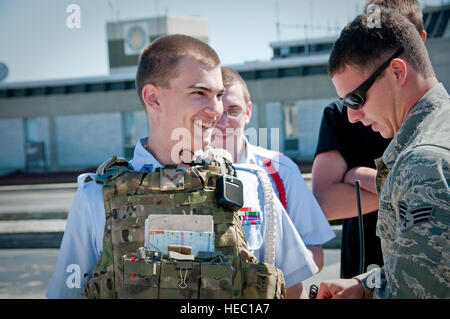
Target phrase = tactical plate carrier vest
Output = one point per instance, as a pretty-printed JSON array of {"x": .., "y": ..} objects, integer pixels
[{"x": 126, "y": 270}]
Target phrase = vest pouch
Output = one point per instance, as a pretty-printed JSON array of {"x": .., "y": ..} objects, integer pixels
[
  {"x": 100, "y": 286},
  {"x": 263, "y": 281},
  {"x": 216, "y": 280},
  {"x": 179, "y": 280},
  {"x": 141, "y": 279}
]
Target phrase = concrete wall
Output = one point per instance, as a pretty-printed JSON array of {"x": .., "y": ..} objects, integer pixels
[
  {"x": 311, "y": 94},
  {"x": 291, "y": 89},
  {"x": 439, "y": 49},
  {"x": 88, "y": 140},
  {"x": 70, "y": 104},
  {"x": 274, "y": 120},
  {"x": 310, "y": 116}
]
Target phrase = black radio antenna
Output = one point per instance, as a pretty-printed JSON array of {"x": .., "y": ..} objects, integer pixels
[{"x": 361, "y": 229}]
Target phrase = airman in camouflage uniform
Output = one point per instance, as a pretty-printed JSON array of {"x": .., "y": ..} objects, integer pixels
[
  {"x": 399, "y": 96},
  {"x": 413, "y": 220}
]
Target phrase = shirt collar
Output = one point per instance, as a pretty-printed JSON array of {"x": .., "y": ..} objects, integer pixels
[
  {"x": 249, "y": 154},
  {"x": 142, "y": 158},
  {"x": 410, "y": 127}
]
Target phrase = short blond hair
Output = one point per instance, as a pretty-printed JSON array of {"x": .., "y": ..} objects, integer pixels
[
  {"x": 407, "y": 8},
  {"x": 230, "y": 77}
]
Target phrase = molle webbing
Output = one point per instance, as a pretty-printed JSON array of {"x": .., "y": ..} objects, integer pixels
[{"x": 130, "y": 197}]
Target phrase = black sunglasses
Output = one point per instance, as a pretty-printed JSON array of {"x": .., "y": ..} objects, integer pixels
[{"x": 355, "y": 100}]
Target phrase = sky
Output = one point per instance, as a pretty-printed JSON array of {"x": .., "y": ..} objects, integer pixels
[{"x": 36, "y": 44}]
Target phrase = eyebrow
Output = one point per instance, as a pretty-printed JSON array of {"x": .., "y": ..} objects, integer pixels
[{"x": 200, "y": 87}]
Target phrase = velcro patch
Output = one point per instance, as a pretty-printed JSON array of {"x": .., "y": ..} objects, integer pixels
[
  {"x": 413, "y": 217},
  {"x": 171, "y": 179}
]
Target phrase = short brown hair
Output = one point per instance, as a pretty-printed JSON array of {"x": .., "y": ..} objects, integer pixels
[
  {"x": 230, "y": 77},
  {"x": 366, "y": 47},
  {"x": 407, "y": 8},
  {"x": 159, "y": 60}
]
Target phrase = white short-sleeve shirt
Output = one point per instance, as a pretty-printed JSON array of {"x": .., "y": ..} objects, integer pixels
[
  {"x": 82, "y": 242},
  {"x": 302, "y": 206}
]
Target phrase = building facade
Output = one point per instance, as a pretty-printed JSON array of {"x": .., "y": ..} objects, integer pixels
[
  {"x": 78, "y": 123},
  {"x": 291, "y": 90}
]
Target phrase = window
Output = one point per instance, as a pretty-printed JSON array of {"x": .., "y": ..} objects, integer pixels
[
  {"x": 36, "y": 91},
  {"x": 56, "y": 90},
  {"x": 115, "y": 86},
  {"x": 442, "y": 26},
  {"x": 315, "y": 70},
  {"x": 79, "y": 88},
  {"x": 290, "y": 126},
  {"x": 288, "y": 72},
  {"x": 34, "y": 144},
  {"x": 248, "y": 75},
  {"x": 130, "y": 85},
  {"x": 298, "y": 50},
  {"x": 95, "y": 87},
  {"x": 285, "y": 51},
  {"x": 323, "y": 47},
  {"x": 266, "y": 74},
  {"x": 276, "y": 51},
  {"x": 425, "y": 17},
  {"x": 17, "y": 92},
  {"x": 129, "y": 133},
  {"x": 432, "y": 23}
]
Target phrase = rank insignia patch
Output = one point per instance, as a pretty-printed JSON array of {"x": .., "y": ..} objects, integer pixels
[{"x": 413, "y": 217}]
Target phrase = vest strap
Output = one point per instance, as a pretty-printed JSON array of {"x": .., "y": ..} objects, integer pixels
[{"x": 278, "y": 182}]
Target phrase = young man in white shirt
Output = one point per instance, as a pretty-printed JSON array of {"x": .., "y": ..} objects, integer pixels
[
  {"x": 286, "y": 177},
  {"x": 179, "y": 83}
]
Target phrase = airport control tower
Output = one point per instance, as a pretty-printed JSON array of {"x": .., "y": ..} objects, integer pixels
[{"x": 126, "y": 39}]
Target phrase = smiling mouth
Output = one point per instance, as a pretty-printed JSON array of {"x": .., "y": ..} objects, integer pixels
[
  {"x": 220, "y": 133},
  {"x": 204, "y": 124}
]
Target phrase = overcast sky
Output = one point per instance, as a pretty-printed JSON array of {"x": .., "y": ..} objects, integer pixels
[{"x": 36, "y": 44}]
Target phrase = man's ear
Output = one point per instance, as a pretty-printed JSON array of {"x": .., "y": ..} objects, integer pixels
[
  {"x": 248, "y": 112},
  {"x": 424, "y": 36},
  {"x": 400, "y": 70},
  {"x": 150, "y": 95}
]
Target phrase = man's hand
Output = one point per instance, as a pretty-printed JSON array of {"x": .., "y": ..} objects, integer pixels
[
  {"x": 341, "y": 289},
  {"x": 296, "y": 291}
]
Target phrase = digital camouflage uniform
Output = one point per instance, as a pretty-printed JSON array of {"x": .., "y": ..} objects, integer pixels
[{"x": 413, "y": 219}]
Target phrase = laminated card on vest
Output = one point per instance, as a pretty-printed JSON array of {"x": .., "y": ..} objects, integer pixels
[{"x": 196, "y": 231}]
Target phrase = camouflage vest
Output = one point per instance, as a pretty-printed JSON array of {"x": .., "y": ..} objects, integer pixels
[{"x": 125, "y": 270}]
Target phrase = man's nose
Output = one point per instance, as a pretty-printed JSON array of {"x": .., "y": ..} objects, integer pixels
[
  {"x": 223, "y": 122},
  {"x": 354, "y": 115},
  {"x": 215, "y": 107}
]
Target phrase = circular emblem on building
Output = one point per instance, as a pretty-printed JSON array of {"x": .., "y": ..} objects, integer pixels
[
  {"x": 136, "y": 38},
  {"x": 3, "y": 71}
]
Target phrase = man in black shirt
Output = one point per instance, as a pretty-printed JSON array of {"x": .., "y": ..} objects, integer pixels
[{"x": 337, "y": 165}]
